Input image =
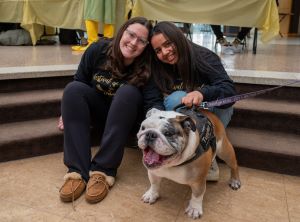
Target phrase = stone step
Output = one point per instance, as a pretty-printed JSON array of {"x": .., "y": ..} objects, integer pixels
[
  {"x": 29, "y": 138},
  {"x": 264, "y": 105},
  {"x": 264, "y": 129},
  {"x": 30, "y": 105},
  {"x": 27, "y": 84},
  {"x": 266, "y": 149},
  {"x": 287, "y": 93},
  {"x": 14, "y": 79},
  {"x": 254, "y": 112},
  {"x": 25, "y": 139},
  {"x": 260, "y": 149},
  {"x": 273, "y": 115}
]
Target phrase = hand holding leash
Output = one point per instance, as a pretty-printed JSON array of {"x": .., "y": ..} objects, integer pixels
[
  {"x": 195, "y": 98},
  {"x": 192, "y": 98}
]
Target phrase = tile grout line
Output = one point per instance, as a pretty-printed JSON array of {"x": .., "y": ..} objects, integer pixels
[{"x": 287, "y": 205}]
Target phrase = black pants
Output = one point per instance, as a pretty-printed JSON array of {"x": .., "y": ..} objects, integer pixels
[
  {"x": 83, "y": 107},
  {"x": 219, "y": 34}
]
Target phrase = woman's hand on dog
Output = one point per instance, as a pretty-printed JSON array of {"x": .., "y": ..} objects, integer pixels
[{"x": 192, "y": 98}]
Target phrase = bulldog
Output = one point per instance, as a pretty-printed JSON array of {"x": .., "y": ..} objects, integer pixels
[{"x": 181, "y": 146}]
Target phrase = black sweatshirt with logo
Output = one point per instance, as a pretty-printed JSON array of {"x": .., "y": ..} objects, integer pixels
[
  {"x": 213, "y": 85},
  {"x": 90, "y": 72}
]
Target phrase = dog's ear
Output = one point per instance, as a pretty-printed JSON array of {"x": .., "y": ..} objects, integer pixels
[
  {"x": 187, "y": 123},
  {"x": 151, "y": 112}
]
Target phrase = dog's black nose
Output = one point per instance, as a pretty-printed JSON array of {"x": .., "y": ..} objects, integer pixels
[{"x": 151, "y": 136}]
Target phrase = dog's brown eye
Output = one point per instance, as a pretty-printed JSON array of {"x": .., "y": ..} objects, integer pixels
[
  {"x": 168, "y": 134},
  {"x": 142, "y": 128}
]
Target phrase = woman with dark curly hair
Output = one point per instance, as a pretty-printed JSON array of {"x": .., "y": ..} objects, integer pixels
[
  {"x": 105, "y": 94},
  {"x": 186, "y": 73}
]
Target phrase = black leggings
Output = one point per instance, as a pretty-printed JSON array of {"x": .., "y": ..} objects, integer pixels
[{"x": 83, "y": 107}]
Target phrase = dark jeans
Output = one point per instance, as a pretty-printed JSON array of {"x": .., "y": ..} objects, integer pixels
[
  {"x": 219, "y": 34},
  {"x": 83, "y": 107}
]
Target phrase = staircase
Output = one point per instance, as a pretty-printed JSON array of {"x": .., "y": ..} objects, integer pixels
[
  {"x": 264, "y": 130},
  {"x": 29, "y": 110}
]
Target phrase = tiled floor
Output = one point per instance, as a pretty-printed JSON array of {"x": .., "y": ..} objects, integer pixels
[
  {"x": 29, "y": 192},
  {"x": 29, "y": 187},
  {"x": 281, "y": 54},
  {"x": 278, "y": 59}
]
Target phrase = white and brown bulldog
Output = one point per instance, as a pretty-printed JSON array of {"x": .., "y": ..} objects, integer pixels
[{"x": 181, "y": 147}]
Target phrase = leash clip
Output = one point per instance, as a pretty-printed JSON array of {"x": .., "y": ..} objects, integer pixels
[{"x": 203, "y": 105}]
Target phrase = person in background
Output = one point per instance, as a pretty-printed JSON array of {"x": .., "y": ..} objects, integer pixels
[
  {"x": 109, "y": 78},
  {"x": 185, "y": 73},
  {"x": 237, "y": 42},
  {"x": 96, "y": 11}
]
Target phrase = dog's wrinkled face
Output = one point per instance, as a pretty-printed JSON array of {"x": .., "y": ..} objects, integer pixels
[{"x": 163, "y": 136}]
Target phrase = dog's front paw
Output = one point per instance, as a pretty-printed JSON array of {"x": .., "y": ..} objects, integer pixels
[
  {"x": 194, "y": 212},
  {"x": 150, "y": 197},
  {"x": 234, "y": 184}
]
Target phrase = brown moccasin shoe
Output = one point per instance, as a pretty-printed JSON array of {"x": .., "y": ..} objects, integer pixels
[
  {"x": 98, "y": 186},
  {"x": 73, "y": 187}
]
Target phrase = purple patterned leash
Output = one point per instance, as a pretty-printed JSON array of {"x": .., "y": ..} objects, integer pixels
[{"x": 221, "y": 102}]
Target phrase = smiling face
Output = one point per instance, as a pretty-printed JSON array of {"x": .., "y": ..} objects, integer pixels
[
  {"x": 133, "y": 42},
  {"x": 165, "y": 50}
]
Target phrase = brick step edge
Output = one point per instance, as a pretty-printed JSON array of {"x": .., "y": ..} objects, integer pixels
[
  {"x": 287, "y": 93},
  {"x": 265, "y": 120},
  {"x": 260, "y": 140},
  {"x": 266, "y": 150},
  {"x": 28, "y": 130},
  {"x": 268, "y": 161},
  {"x": 31, "y": 147},
  {"x": 37, "y": 137},
  {"x": 264, "y": 140},
  {"x": 27, "y": 84},
  {"x": 41, "y": 137},
  {"x": 30, "y": 138},
  {"x": 30, "y": 97},
  {"x": 269, "y": 105},
  {"x": 30, "y": 105}
]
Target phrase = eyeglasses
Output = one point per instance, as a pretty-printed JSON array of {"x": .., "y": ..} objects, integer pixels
[{"x": 132, "y": 36}]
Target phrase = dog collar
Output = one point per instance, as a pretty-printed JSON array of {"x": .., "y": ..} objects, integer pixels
[{"x": 206, "y": 131}]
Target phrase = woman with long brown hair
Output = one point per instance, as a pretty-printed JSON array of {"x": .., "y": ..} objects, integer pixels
[
  {"x": 186, "y": 73},
  {"x": 105, "y": 94}
]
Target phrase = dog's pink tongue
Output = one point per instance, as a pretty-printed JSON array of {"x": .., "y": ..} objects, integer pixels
[{"x": 151, "y": 157}]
